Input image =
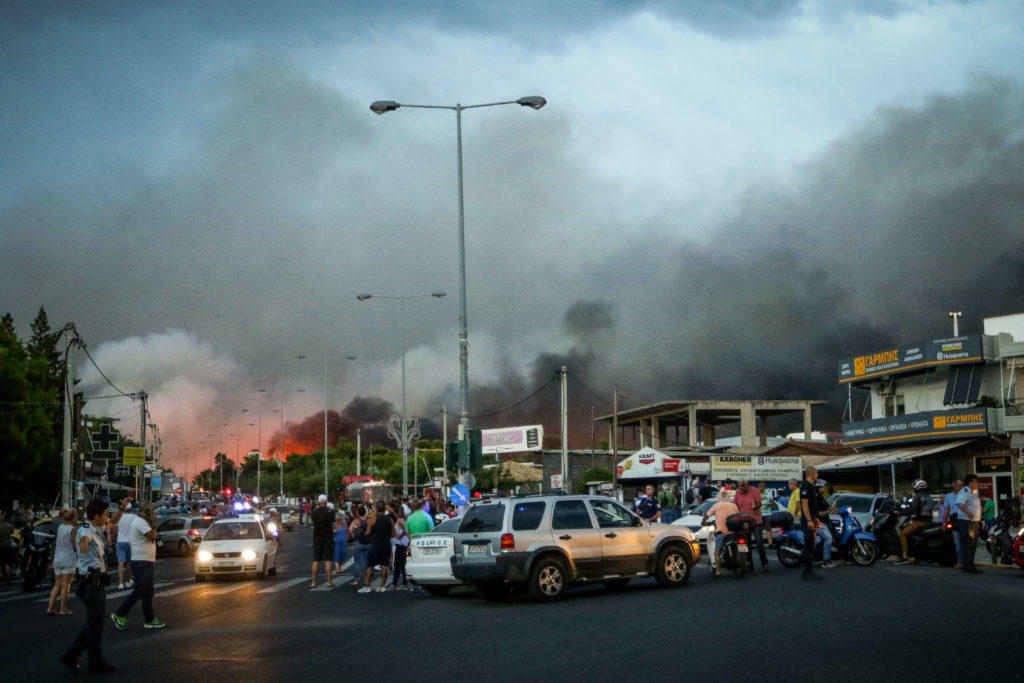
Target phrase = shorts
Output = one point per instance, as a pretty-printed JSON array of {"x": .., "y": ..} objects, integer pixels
[
  {"x": 323, "y": 549},
  {"x": 124, "y": 551},
  {"x": 379, "y": 554},
  {"x": 60, "y": 571}
]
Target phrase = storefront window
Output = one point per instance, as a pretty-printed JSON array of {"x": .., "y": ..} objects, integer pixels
[
  {"x": 894, "y": 405},
  {"x": 940, "y": 473}
]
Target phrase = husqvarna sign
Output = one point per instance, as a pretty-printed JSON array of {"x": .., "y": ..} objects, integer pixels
[{"x": 756, "y": 467}]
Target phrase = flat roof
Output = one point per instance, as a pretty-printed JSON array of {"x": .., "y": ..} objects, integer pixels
[{"x": 712, "y": 411}]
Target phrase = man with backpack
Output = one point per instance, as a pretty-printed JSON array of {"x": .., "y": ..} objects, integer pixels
[
  {"x": 668, "y": 502},
  {"x": 921, "y": 507}
]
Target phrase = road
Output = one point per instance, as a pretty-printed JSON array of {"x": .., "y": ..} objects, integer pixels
[{"x": 917, "y": 622}]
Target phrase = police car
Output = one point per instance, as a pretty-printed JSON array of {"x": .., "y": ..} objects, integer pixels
[
  {"x": 237, "y": 546},
  {"x": 429, "y": 564}
]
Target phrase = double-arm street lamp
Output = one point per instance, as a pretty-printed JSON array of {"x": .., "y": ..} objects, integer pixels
[
  {"x": 325, "y": 359},
  {"x": 280, "y": 461},
  {"x": 406, "y": 433},
  {"x": 383, "y": 107}
]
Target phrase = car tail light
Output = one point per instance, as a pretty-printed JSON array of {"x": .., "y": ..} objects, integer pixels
[
  {"x": 508, "y": 542},
  {"x": 743, "y": 541},
  {"x": 194, "y": 532},
  {"x": 949, "y": 525}
]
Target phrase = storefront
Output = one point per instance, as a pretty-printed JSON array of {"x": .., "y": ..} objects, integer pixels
[{"x": 648, "y": 466}]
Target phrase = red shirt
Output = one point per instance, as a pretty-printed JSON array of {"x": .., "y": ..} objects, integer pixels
[{"x": 749, "y": 503}]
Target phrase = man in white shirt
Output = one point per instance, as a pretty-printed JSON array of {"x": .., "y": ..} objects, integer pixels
[
  {"x": 122, "y": 548},
  {"x": 968, "y": 522},
  {"x": 142, "y": 536}
]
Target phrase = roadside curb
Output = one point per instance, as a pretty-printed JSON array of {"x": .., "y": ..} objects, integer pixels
[{"x": 988, "y": 565}]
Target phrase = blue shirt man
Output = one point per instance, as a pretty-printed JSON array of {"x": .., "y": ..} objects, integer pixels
[{"x": 648, "y": 507}]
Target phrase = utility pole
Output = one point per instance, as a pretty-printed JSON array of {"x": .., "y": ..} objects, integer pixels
[
  {"x": 143, "y": 396},
  {"x": 565, "y": 430},
  {"x": 615, "y": 435},
  {"x": 359, "y": 452},
  {"x": 955, "y": 315},
  {"x": 66, "y": 492}
]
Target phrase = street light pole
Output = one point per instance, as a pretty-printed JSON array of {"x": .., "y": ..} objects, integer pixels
[
  {"x": 407, "y": 433},
  {"x": 325, "y": 359},
  {"x": 384, "y": 106}
]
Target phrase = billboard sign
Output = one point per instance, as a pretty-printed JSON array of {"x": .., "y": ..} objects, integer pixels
[
  {"x": 133, "y": 456},
  {"x": 927, "y": 426},
  {"x": 512, "y": 439},
  {"x": 756, "y": 467},
  {"x": 895, "y": 360}
]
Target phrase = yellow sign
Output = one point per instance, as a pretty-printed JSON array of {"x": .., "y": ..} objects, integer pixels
[{"x": 133, "y": 456}]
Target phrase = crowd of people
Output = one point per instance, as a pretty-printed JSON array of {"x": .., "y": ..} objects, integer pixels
[{"x": 377, "y": 535}]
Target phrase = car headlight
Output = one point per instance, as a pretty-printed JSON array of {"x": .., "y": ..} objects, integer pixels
[
  {"x": 272, "y": 528},
  {"x": 205, "y": 556},
  {"x": 248, "y": 554}
]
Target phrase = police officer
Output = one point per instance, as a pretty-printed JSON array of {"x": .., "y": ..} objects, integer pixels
[
  {"x": 648, "y": 507},
  {"x": 92, "y": 589},
  {"x": 809, "y": 521}
]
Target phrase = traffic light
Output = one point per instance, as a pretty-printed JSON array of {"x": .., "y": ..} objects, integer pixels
[
  {"x": 475, "y": 439},
  {"x": 451, "y": 456}
]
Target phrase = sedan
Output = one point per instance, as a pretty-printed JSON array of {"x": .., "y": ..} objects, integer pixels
[
  {"x": 237, "y": 545},
  {"x": 429, "y": 564},
  {"x": 181, "y": 534}
]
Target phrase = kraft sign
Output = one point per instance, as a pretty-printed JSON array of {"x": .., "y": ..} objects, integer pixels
[
  {"x": 930, "y": 426},
  {"x": 951, "y": 351},
  {"x": 756, "y": 467}
]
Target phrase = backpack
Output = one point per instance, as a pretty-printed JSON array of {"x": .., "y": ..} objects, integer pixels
[{"x": 689, "y": 496}]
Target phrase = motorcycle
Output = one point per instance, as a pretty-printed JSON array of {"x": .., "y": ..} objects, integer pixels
[
  {"x": 931, "y": 543},
  {"x": 849, "y": 541},
  {"x": 37, "y": 554},
  {"x": 998, "y": 542},
  {"x": 735, "y": 555}
]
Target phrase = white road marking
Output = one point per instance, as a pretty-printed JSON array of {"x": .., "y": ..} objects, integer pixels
[
  {"x": 119, "y": 594},
  {"x": 181, "y": 589},
  {"x": 229, "y": 588},
  {"x": 284, "y": 584}
]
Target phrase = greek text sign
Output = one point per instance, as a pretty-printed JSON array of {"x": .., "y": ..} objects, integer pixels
[
  {"x": 756, "y": 467},
  {"x": 938, "y": 424},
  {"x": 894, "y": 360}
]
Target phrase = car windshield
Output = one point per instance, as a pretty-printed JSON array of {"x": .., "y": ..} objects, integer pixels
[
  {"x": 201, "y": 523},
  {"x": 449, "y": 527},
  {"x": 487, "y": 517},
  {"x": 703, "y": 507},
  {"x": 233, "y": 531},
  {"x": 858, "y": 503}
]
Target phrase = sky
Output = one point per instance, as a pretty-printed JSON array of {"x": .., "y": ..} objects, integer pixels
[{"x": 719, "y": 200}]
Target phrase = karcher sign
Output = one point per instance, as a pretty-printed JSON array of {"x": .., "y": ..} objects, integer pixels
[
  {"x": 943, "y": 424},
  {"x": 756, "y": 468},
  {"x": 951, "y": 351}
]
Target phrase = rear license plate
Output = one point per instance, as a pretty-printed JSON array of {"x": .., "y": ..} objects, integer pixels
[
  {"x": 477, "y": 548},
  {"x": 743, "y": 548},
  {"x": 432, "y": 551}
]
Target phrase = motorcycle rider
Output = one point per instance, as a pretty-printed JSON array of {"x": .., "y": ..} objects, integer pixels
[
  {"x": 920, "y": 512},
  {"x": 809, "y": 521},
  {"x": 721, "y": 511},
  {"x": 824, "y": 525}
]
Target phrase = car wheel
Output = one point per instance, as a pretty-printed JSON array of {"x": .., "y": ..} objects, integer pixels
[
  {"x": 262, "y": 574},
  {"x": 437, "y": 589},
  {"x": 183, "y": 547},
  {"x": 673, "y": 568},
  {"x": 548, "y": 580},
  {"x": 273, "y": 570},
  {"x": 615, "y": 584}
]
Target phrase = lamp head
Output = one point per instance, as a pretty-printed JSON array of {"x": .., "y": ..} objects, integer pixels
[
  {"x": 531, "y": 101},
  {"x": 364, "y": 297},
  {"x": 384, "y": 106},
  {"x": 438, "y": 295}
]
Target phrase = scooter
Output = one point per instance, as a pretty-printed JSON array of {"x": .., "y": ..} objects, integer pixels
[
  {"x": 931, "y": 543},
  {"x": 999, "y": 543},
  {"x": 849, "y": 541},
  {"x": 735, "y": 553},
  {"x": 38, "y": 553}
]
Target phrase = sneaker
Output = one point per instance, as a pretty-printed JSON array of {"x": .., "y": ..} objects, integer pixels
[
  {"x": 380, "y": 589},
  {"x": 391, "y": 587},
  {"x": 404, "y": 588},
  {"x": 827, "y": 565},
  {"x": 364, "y": 589},
  {"x": 120, "y": 623},
  {"x": 130, "y": 584},
  {"x": 120, "y": 586},
  {"x": 904, "y": 562},
  {"x": 156, "y": 623}
]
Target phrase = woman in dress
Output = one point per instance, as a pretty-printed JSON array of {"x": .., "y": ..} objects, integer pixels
[{"x": 64, "y": 559}]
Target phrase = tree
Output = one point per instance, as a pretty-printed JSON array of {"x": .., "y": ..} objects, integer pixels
[{"x": 596, "y": 474}]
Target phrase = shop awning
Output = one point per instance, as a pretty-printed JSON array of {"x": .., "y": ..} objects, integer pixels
[
  {"x": 648, "y": 463},
  {"x": 888, "y": 456}
]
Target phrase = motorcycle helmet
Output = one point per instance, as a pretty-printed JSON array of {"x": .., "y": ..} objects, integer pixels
[
  {"x": 920, "y": 485},
  {"x": 820, "y": 483}
]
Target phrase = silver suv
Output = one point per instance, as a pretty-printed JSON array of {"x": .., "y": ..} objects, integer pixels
[{"x": 548, "y": 542}]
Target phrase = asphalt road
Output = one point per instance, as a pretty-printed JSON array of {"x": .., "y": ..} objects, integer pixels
[{"x": 916, "y": 622}]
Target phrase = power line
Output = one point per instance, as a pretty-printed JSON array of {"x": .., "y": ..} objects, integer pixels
[
  {"x": 78, "y": 341},
  {"x": 517, "y": 403}
]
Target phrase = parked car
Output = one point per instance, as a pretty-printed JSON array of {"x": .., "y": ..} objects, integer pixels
[
  {"x": 864, "y": 504},
  {"x": 430, "y": 558},
  {"x": 180, "y": 534},
  {"x": 545, "y": 543},
  {"x": 236, "y": 545}
]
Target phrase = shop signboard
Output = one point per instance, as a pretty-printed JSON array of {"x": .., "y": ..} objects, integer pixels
[
  {"x": 512, "y": 439},
  {"x": 895, "y": 360},
  {"x": 927, "y": 426},
  {"x": 756, "y": 467},
  {"x": 992, "y": 463},
  {"x": 133, "y": 456}
]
